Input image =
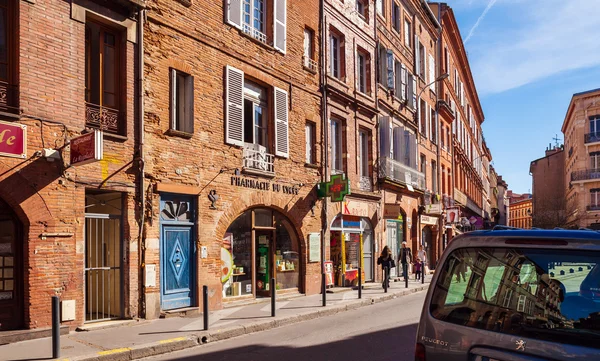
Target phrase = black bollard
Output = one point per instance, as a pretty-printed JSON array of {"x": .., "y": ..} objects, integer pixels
[
  {"x": 386, "y": 278},
  {"x": 359, "y": 282},
  {"x": 324, "y": 289},
  {"x": 273, "y": 293},
  {"x": 55, "y": 327},
  {"x": 423, "y": 274},
  {"x": 406, "y": 276},
  {"x": 205, "y": 306}
]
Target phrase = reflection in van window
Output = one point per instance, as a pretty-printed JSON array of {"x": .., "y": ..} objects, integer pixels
[{"x": 549, "y": 295}]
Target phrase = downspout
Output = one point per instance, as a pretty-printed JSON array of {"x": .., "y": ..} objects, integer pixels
[
  {"x": 140, "y": 153},
  {"x": 324, "y": 126},
  {"x": 375, "y": 245},
  {"x": 439, "y": 87}
]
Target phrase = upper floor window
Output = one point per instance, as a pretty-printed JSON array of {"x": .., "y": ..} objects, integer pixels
[
  {"x": 396, "y": 16},
  {"x": 309, "y": 49},
  {"x": 432, "y": 126},
  {"x": 363, "y": 153},
  {"x": 595, "y": 160},
  {"x": 8, "y": 76},
  {"x": 595, "y": 198},
  {"x": 434, "y": 185},
  {"x": 259, "y": 20},
  {"x": 311, "y": 136},
  {"x": 595, "y": 124},
  {"x": 407, "y": 33},
  {"x": 361, "y": 8},
  {"x": 336, "y": 59},
  {"x": 182, "y": 102},
  {"x": 380, "y": 7},
  {"x": 363, "y": 71},
  {"x": 102, "y": 77},
  {"x": 248, "y": 114},
  {"x": 336, "y": 145}
]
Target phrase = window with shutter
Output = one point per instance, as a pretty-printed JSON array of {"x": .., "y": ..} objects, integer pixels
[
  {"x": 417, "y": 54},
  {"x": 413, "y": 90},
  {"x": 432, "y": 72},
  {"x": 336, "y": 145},
  {"x": 279, "y": 25},
  {"x": 384, "y": 136},
  {"x": 398, "y": 80},
  {"x": 234, "y": 13},
  {"x": 234, "y": 112},
  {"x": 404, "y": 80},
  {"x": 399, "y": 147},
  {"x": 396, "y": 16},
  {"x": 407, "y": 33},
  {"x": 390, "y": 69},
  {"x": 182, "y": 102},
  {"x": 310, "y": 133},
  {"x": 281, "y": 123}
]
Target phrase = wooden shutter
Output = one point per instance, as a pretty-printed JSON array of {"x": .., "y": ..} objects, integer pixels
[
  {"x": 279, "y": 25},
  {"x": 403, "y": 78},
  {"x": 398, "y": 79},
  {"x": 413, "y": 83},
  {"x": 234, "y": 106},
  {"x": 173, "y": 75},
  {"x": 282, "y": 139},
  {"x": 398, "y": 134},
  {"x": 384, "y": 136},
  {"x": 189, "y": 104},
  {"x": 431, "y": 72},
  {"x": 390, "y": 69},
  {"x": 234, "y": 12},
  {"x": 417, "y": 62}
]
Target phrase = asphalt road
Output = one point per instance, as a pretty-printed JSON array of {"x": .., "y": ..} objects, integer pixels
[{"x": 384, "y": 331}]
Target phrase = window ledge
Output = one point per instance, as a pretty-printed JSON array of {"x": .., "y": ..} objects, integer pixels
[
  {"x": 308, "y": 69},
  {"x": 9, "y": 116},
  {"x": 338, "y": 81},
  {"x": 311, "y": 165},
  {"x": 117, "y": 137},
  {"x": 256, "y": 41},
  {"x": 179, "y": 133}
]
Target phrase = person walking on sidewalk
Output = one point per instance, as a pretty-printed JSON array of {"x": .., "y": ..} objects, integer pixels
[
  {"x": 405, "y": 258},
  {"x": 387, "y": 262},
  {"x": 423, "y": 256},
  {"x": 418, "y": 267}
]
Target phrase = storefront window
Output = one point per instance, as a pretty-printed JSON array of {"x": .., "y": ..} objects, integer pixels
[
  {"x": 287, "y": 255},
  {"x": 236, "y": 269}
]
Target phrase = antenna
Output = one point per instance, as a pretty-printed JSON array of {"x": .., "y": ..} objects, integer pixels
[{"x": 556, "y": 139}]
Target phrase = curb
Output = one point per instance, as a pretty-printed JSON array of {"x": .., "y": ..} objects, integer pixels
[{"x": 181, "y": 343}]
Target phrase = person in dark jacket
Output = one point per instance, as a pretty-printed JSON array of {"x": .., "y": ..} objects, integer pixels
[
  {"x": 405, "y": 259},
  {"x": 387, "y": 262}
]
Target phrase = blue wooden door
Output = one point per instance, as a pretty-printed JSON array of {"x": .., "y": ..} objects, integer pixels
[{"x": 177, "y": 254}]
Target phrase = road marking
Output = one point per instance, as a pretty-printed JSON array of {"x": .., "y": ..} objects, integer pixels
[
  {"x": 114, "y": 351},
  {"x": 278, "y": 305},
  {"x": 173, "y": 340}
]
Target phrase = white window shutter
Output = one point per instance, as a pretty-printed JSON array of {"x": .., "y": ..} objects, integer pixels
[
  {"x": 234, "y": 106},
  {"x": 417, "y": 63},
  {"x": 234, "y": 12},
  {"x": 189, "y": 104},
  {"x": 414, "y": 92},
  {"x": 173, "y": 74},
  {"x": 427, "y": 122},
  {"x": 390, "y": 69},
  {"x": 403, "y": 77},
  {"x": 279, "y": 25},
  {"x": 432, "y": 72},
  {"x": 282, "y": 139},
  {"x": 384, "y": 136}
]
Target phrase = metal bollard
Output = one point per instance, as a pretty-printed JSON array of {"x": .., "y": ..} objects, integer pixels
[
  {"x": 324, "y": 289},
  {"x": 406, "y": 277},
  {"x": 386, "y": 278},
  {"x": 423, "y": 274},
  {"x": 359, "y": 282},
  {"x": 55, "y": 327},
  {"x": 273, "y": 294},
  {"x": 205, "y": 306}
]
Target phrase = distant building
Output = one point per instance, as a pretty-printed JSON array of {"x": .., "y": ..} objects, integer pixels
[
  {"x": 502, "y": 202},
  {"x": 581, "y": 129},
  {"x": 520, "y": 211},
  {"x": 548, "y": 187}
]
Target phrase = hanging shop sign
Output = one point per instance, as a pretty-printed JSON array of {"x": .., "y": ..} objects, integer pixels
[
  {"x": 433, "y": 209},
  {"x": 264, "y": 185},
  {"x": 87, "y": 148},
  {"x": 314, "y": 247},
  {"x": 452, "y": 215},
  {"x": 460, "y": 197},
  {"x": 13, "y": 140},
  {"x": 337, "y": 188},
  {"x": 355, "y": 208},
  {"x": 392, "y": 211},
  {"x": 428, "y": 220}
]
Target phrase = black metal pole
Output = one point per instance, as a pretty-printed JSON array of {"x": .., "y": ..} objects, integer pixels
[
  {"x": 272, "y": 297},
  {"x": 205, "y": 306},
  {"x": 324, "y": 289},
  {"x": 359, "y": 282},
  {"x": 423, "y": 273},
  {"x": 386, "y": 278},
  {"x": 405, "y": 271},
  {"x": 55, "y": 327}
]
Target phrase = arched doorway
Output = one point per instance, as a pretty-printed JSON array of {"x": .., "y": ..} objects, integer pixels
[
  {"x": 351, "y": 247},
  {"x": 426, "y": 238},
  {"x": 259, "y": 245},
  {"x": 11, "y": 264}
]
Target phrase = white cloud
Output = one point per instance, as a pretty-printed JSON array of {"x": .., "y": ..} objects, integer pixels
[
  {"x": 550, "y": 37},
  {"x": 481, "y": 17}
]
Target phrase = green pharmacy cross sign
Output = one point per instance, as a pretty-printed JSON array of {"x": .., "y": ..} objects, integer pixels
[{"x": 337, "y": 188}]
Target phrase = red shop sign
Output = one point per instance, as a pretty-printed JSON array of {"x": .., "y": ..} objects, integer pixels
[
  {"x": 13, "y": 140},
  {"x": 87, "y": 148}
]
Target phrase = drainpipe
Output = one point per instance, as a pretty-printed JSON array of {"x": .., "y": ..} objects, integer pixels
[
  {"x": 439, "y": 86},
  {"x": 324, "y": 125},
  {"x": 375, "y": 246},
  {"x": 140, "y": 152}
]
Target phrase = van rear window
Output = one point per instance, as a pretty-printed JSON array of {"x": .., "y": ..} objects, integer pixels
[{"x": 542, "y": 294}]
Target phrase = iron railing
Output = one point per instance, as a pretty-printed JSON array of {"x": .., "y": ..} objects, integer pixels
[
  {"x": 592, "y": 137},
  {"x": 593, "y": 207},
  {"x": 8, "y": 98},
  {"x": 585, "y": 174},
  {"x": 365, "y": 184},
  {"x": 104, "y": 118},
  {"x": 309, "y": 63},
  {"x": 255, "y": 33},
  {"x": 399, "y": 172},
  {"x": 255, "y": 161}
]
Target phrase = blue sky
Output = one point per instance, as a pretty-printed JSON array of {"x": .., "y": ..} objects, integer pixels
[{"x": 528, "y": 57}]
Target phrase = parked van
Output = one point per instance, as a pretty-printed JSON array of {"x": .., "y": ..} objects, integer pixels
[{"x": 511, "y": 295}]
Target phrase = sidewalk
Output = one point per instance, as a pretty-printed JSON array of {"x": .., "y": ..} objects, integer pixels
[{"x": 136, "y": 340}]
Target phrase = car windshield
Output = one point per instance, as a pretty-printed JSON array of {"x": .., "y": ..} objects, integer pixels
[{"x": 545, "y": 294}]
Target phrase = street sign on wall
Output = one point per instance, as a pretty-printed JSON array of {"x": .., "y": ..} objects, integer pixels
[
  {"x": 87, "y": 148},
  {"x": 13, "y": 140}
]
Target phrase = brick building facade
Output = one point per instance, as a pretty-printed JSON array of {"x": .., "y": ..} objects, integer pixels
[{"x": 548, "y": 189}]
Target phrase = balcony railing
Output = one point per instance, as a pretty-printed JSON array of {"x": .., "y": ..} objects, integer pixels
[
  {"x": 309, "y": 63},
  {"x": 365, "y": 184},
  {"x": 255, "y": 33},
  {"x": 396, "y": 171},
  {"x": 8, "y": 98},
  {"x": 593, "y": 207},
  {"x": 586, "y": 174},
  {"x": 258, "y": 162},
  {"x": 592, "y": 137},
  {"x": 104, "y": 118}
]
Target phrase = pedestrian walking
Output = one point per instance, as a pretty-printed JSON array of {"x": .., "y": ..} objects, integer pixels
[
  {"x": 406, "y": 258},
  {"x": 387, "y": 262},
  {"x": 423, "y": 256},
  {"x": 418, "y": 268}
]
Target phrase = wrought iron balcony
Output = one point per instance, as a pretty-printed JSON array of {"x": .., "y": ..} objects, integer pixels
[
  {"x": 365, "y": 184},
  {"x": 8, "y": 98},
  {"x": 592, "y": 137},
  {"x": 258, "y": 162},
  {"x": 106, "y": 119},
  {"x": 255, "y": 33},
  {"x": 586, "y": 174},
  {"x": 309, "y": 63},
  {"x": 593, "y": 207},
  {"x": 399, "y": 172}
]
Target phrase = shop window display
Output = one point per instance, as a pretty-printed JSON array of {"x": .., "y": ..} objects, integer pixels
[
  {"x": 287, "y": 256},
  {"x": 237, "y": 258}
]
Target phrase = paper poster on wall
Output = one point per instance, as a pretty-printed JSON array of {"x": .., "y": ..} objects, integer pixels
[{"x": 314, "y": 247}]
